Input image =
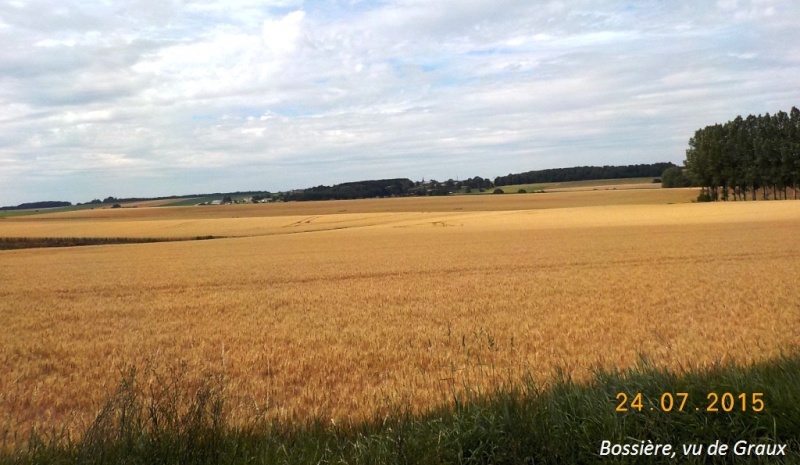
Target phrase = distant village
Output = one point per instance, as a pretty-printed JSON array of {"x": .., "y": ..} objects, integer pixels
[{"x": 228, "y": 200}]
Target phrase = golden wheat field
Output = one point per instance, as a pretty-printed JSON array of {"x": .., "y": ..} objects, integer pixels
[{"x": 343, "y": 309}]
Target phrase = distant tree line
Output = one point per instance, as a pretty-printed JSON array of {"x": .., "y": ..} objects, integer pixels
[
  {"x": 476, "y": 183},
  {"x": 398, "y": 187},
  {"x": 404, "y": 187},
  {"x": 757, "y": 154},
  {"x": 584, "y": 173},
  {"x": 176, "y": 197},
  {"x": 353, "y": 190},
  {"x": 35, "y": 205}
]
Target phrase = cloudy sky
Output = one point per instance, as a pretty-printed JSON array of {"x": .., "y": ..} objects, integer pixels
[{"x": 161, "y": 97}]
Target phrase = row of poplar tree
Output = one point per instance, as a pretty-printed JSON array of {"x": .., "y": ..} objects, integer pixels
[{"x": 753, "y": 156}]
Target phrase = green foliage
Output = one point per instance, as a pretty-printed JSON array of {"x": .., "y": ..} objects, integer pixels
[
  {"x": 260, "y": 197},
  {"x": 388, "y": 188},
  {"x": 35, "y": 205},
  {"x": 478, "y": 182},
  {"x": 747, "y": 155},
  {"x": 522, "y": 191},
  {"x": 363, "y": 190},
  {"x": 178, "y": 420},
  {"x": 675, "y": 177},
  {"x": 583, "y": 173},
  {"x": 498, "y": 191}
]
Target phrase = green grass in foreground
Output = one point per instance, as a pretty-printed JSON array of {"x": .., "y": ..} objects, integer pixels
[{"x": 562, "y": 424}]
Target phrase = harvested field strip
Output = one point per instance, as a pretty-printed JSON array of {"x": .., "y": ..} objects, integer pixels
[{"x": 16, "y": 243}]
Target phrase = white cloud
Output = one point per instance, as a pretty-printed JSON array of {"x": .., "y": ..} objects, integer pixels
[
  {"x": 280, "y": 36},
  {"x": 169, "y": 97}
]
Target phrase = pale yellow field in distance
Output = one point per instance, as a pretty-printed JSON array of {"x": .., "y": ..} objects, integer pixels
[
  {"x": 319, "y": 311},
  {"x": 282, "y": 218}
]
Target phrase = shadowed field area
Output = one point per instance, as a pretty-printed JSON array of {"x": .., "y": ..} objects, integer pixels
[{"x": 17, "y": 243}]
